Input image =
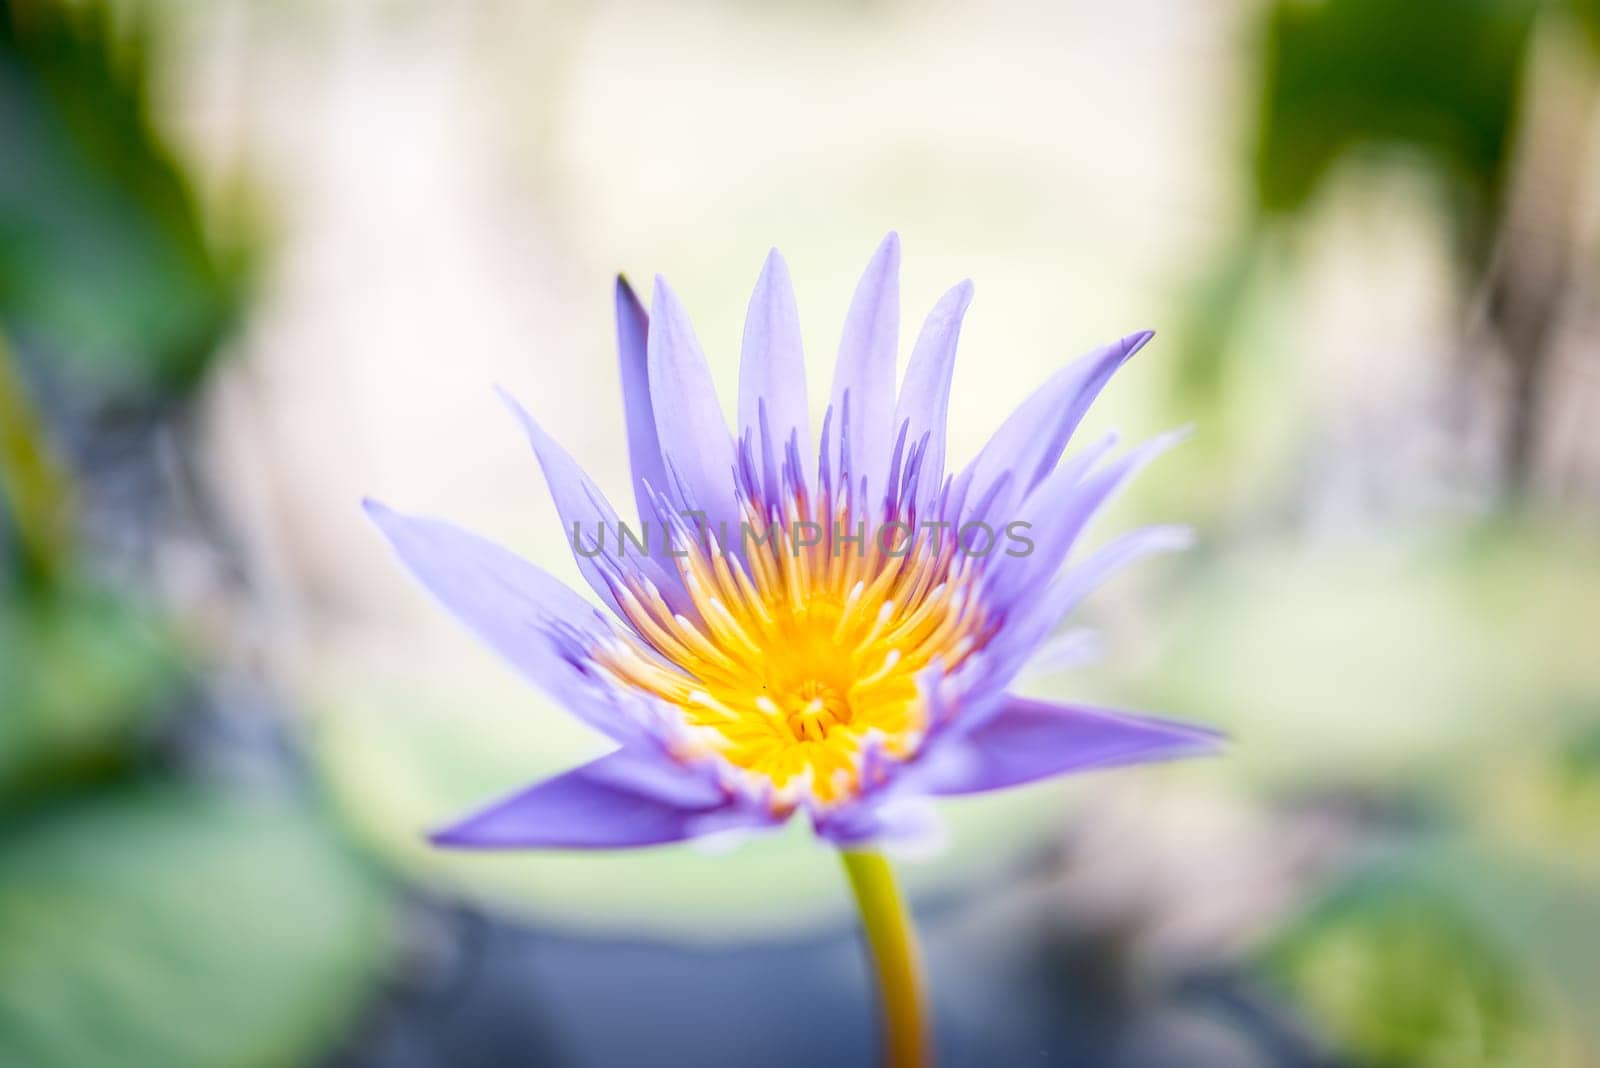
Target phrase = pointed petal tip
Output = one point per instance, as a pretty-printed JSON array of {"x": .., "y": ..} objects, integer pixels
[
  {"x": 626, "y": 296},
  {"x": 888, "y": 251},
  {"x": 530, "y": 426},
  {"x": 665, "y": 304},
  {"x": 392, "y": 525},
  {"x": 1150, "y": 449},
  {"x": 474, "y": 831},
  {"x": 1187, "y": 737},
  {"x": 1199, "y": 741},
  {"x": 774, "y": 277},
  {"x": 1176, "y": 436},
  {"x": 1177, "y": 537},
  {"x": 443, "y": 838},
  {"x": 1113, "y": 356},
  {"x": 515, "y": 407},
  {"x": 959, "y": 295},
  {"x": 461, "y": 836}
]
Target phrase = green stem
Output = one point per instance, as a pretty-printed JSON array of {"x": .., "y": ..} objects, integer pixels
[{"x": 893, "y": 943}]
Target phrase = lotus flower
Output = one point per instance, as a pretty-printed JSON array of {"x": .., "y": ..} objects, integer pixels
[{"x": 827, "y": 632}]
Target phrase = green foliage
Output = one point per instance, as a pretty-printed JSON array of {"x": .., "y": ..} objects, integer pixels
[
  {"x": 104, "y": 256},
  {"x": 34, "y": 497},
  {"x": 141, "y": 925},
  {"x": 82, "y": 673},
  {"x": 1399, "y": 974},
  {"x": 1588, "y": 12},
  {"x": 179, "y": 927},
  {"x": 1579, "y": 761},
  {"x": 1439, "y": 78}
]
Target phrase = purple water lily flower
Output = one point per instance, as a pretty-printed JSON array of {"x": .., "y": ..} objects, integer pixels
[{"x": 830, "y": 632}]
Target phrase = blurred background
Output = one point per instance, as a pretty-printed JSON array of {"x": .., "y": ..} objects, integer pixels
[{"x": 259, "y": 259}]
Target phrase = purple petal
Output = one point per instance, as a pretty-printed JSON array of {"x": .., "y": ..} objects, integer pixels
[
  {"x": 587, "y": 518},
  {"x": 1057, "y": 512},
  {"x": 1062, "y": 652},
  {"x": 644, "y": 447},
  {"x": 1072, "y": 585},
  {"x": 899, "y": 817},
  {"x": 1030, "y": 442},
  {"x": 772, "y": 369},
  {"x": 924, "y": 404},
  {"x": 622, "y": 800},
  {"x": 695, "y": 443},
  {"x": 1030, "y": 740},
  {"x": 543, "y": 628},
  {"x": 866, "y": 365},
  {"x": 1021, "y": 642}
]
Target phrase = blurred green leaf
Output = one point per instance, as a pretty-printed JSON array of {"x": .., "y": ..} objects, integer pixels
[
  {"x": 1395, "y": 976},
  {"x": 1588, "y": 12},
  {"x": 1212, "y": 314},
  {"x": 1445, "y": 956},
  {"x": 104, "y": 257},
  {"x": 177, "y": 927},
  {"x": 81, "y": 672},
  {"x": 35, "y": 493},
  {"x": 1580, "y": 757},
  {"x": 1439, "y": 78}
]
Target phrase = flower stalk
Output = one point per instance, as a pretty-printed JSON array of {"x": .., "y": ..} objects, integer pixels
[{"x": 892, "y": 943}]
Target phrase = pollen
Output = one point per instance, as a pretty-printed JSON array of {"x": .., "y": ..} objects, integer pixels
[{"x": 801, "y": 658}]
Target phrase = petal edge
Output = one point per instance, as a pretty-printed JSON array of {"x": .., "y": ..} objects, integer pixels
[{"x": 1028, "y": 740}]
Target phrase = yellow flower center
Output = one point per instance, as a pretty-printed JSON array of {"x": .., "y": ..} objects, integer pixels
[
  {"x": 814, "y": 708},
  {"x": 803, "y": 656}
]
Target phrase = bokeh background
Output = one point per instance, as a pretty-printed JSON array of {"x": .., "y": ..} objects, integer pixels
[{"x": 259, "y": 259}]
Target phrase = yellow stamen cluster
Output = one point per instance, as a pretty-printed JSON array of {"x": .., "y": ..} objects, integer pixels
[{"x": 801, "y": 656}]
